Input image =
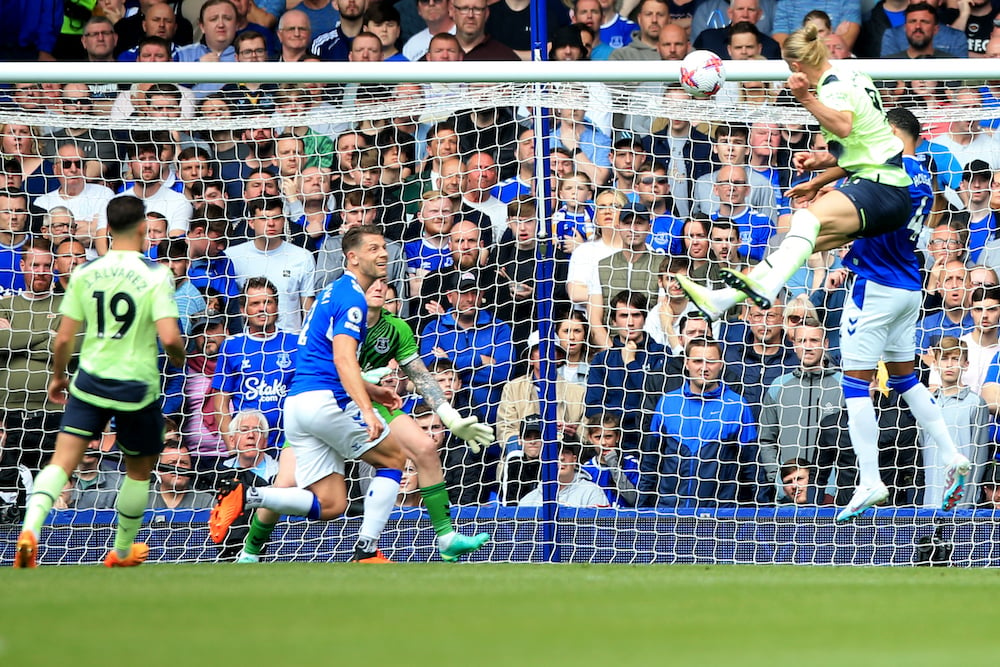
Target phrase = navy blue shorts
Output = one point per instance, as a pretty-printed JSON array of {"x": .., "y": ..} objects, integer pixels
[
  {"x": 139, "y": 433},
  {"x": 881, "y": 208}
]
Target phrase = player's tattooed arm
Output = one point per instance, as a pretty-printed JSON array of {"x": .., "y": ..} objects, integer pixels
[{"x": 424, "y": 383}]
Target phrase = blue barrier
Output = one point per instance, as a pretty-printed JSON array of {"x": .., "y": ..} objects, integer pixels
[{"x": 736, "y": 536}]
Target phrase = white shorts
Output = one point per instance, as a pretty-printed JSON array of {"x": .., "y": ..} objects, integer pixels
[
  {"x": 323, "y": 435},
  {"x": 879, "y": 322}
]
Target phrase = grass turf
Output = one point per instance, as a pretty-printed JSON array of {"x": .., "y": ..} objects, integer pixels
[{"x": 438, "y": 614}]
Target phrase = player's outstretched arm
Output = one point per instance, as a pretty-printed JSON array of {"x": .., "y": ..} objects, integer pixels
[
  {"x": 173, "y": 343},
  {"x": 424, "y": 383},
  {"x": 468, "y": 429}
]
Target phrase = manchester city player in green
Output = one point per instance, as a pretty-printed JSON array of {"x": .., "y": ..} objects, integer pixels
[
  {"x": 874, "y": 200},
  {"x": 390, "y": 338},
  {"x": 126, "y": 302}
]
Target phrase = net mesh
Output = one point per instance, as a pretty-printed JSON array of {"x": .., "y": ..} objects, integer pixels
[{"x": 438, "y": 166}]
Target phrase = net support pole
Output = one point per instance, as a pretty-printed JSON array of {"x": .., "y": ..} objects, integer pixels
[{"x": 544, "y": 294}]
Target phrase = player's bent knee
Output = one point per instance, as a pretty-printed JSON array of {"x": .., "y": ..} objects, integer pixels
[{"x": 332, "y": 510}]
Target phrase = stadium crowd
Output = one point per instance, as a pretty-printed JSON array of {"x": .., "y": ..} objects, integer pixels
[{"x": 657, "y": 407}]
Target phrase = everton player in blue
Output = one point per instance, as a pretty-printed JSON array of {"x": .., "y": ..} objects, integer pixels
[
  {"x": 879, "y": 322},
  {"x": 329, "y": 415}
]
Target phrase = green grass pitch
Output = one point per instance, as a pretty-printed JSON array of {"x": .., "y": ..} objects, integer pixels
[{"x": 287, "y": 614}]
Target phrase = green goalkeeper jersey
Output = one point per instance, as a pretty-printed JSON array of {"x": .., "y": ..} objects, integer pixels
[
  {"x": 389, "y": 338},
  {"x": 120, "y": 297}
]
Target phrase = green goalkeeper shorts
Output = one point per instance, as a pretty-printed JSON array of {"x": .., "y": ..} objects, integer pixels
[{"x": 386, "y": 414}]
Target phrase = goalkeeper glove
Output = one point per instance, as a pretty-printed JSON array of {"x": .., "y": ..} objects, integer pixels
[
  {"x": 468, "y": 429},
  {"x": 375, "y": 375}
]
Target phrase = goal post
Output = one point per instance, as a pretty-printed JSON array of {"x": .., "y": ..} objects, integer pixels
[{"x": 500, "y": 142}]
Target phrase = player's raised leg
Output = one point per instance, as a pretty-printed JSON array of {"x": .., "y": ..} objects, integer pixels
[
  {"x": 234, "y": 498},
  {"x": 766, "y": 279},
  {"x": 264, "y": 520}
]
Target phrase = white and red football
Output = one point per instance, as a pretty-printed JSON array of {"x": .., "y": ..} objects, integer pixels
[{"x": 702, "y": 74}]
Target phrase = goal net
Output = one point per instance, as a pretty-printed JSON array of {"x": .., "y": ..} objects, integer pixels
[{"x": 532, "y": 229}]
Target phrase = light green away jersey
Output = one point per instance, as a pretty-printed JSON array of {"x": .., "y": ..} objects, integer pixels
[
  {"x": 119, "y": 296},
  {"x": 871, "y": 143}
]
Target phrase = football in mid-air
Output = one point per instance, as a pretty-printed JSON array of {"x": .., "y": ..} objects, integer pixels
[{"x": 702, "y": 74}]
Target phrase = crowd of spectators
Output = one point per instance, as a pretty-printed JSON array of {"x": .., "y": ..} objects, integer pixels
[{"x": 656, "y": 407}]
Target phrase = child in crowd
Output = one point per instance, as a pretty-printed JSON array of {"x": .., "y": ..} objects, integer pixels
[
  {"x": 615, "y": 472},
  {"x": 968, "y": 419},
  {"x": 573, "y": 221}
]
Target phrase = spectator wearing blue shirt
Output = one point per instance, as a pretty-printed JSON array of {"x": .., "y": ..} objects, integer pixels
[
  {"x": 652, "y": 186},
  {"x": 384, "y": 21},
  {"x": 885, "y": 15},
  {"x": 430, "y": 251},
  {"x": 721, "y": 13},
  {"x": 589, "y": 13},
  {"x": 701, "y": 449},
  {"x": 13, "y": 235},
  {"x": 210, "y": 268},
  {"x": 476, "y": 342},
  {"x": 953, "y": 318},
  {"x": 173, "y": 253},
  {"x": 29, "y": 29},
  {"x": 732, "y": 188},
  {"x": 322, "y": 15},
  {"x": 590, "y": 146},
  {"x": 975, "y": 192},
  {"x": 255, "y": 368},
  {"x": 335, "y": 44},
  {"x": 616, "y": 30},
  {"x": 523, "y": 182},
  {"x": 217, "y": 20},
  {"x": 845, "y": 18},
  {"x": 616, "y": 472}
]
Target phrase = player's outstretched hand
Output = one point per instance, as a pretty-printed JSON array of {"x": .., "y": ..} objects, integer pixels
[
  {"x": 57, "y": 390},
  {"x": 474, "y": 434},
  {"x": 468, "y": 429}
]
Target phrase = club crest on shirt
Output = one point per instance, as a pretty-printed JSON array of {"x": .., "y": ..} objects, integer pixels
[
  {"x": 382, "y": 345},
  {"x": 284, "y": 360}
]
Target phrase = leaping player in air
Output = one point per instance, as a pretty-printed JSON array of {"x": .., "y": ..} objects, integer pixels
[{"x": 880, "y": 315}]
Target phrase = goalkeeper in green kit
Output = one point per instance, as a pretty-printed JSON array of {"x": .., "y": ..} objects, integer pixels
[{"x": 390, "y": 338}]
